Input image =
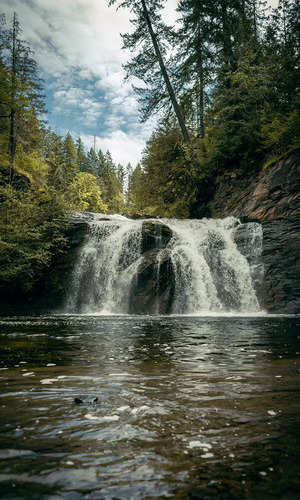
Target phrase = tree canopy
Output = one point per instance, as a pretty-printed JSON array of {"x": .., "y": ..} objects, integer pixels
[{"x": 235, "y": 73}]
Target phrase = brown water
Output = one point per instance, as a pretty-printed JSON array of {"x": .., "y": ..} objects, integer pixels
[{"x": 187, "y": 407}]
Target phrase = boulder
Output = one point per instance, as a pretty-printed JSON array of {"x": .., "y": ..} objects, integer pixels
[
  {"x": 155, "y": 234},
  {"x": 152, "y": 290}
]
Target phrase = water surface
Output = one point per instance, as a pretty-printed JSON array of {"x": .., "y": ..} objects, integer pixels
[{"x": 188, "y": 407}]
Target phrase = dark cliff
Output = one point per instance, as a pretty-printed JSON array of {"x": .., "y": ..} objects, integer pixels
[{"x": 273, "y": 198}]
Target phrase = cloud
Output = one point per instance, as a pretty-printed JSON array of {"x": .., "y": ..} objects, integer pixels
[
  {"x": 83, "y": 32},
  {"x": 124, "y": 147},
  {"x": 80, "y": 100}
]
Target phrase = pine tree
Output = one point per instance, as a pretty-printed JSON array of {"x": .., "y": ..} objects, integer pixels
[
  {"x": 70, "y": 159},
  {"x": 92, "y": 160},
  {"x": 110, "y": 183},
  {"x": 24, "y": 100},
  {"x": 82, "y": 163},
  {"x": 54, "y": 153},
  {"x": 194, "y": 50}
]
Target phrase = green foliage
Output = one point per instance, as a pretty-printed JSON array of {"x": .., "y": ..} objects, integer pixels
[
  {"x": 166, "y": 183},
  {"x": 236, "y": 114},
  {"x": 282, "y": 134},
  {"x": 33, "y": 165},
  {"x": 85, "y": 193},
  {"x": 235, "y": 71},
  {"x": 22, "y": 100},
  {"x": 111, "y": 182},
  {"x": 30, "y": 234}
]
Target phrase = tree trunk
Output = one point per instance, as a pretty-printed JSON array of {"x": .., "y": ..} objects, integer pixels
[
  {"x": 201, "y": 84},
  {"x": 12, "y": 115},
  {"x": 227, "y": 46},
  {"x": 165, "y": 75},
  {"x": 255, "y": 21}
]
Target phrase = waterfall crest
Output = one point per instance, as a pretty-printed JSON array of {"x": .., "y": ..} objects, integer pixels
[{"x": 189, "y": 267}]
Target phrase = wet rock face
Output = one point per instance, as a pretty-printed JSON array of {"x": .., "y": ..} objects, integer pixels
[
  {"x": 152, "y": 290},
  {"x": 280, "y": 289},
  {"x": 153, "y": 287},
  {"x": 277, "y": 195},
  {"x": 276, "y": 275},
  {"x": 271, "y": 194},
  {"x": 155, "y": 235},
  {"x": 273, "y": 198},
  {"x": 53, "y": 288}
]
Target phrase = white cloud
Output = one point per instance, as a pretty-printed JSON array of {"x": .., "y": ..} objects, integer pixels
[
  {"x": 73, "y": 33},
  {"x": 68, "y": 100},
  {"x": 124, "y": 147}
]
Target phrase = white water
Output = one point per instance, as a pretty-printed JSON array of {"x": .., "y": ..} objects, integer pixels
[{"x": 211, "y": 274}]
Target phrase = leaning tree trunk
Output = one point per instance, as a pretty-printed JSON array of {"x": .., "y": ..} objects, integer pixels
[{"x": 165, "y": 75}]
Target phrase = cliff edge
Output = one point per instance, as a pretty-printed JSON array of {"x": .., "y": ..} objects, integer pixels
[{"x": 273, "y": 198}]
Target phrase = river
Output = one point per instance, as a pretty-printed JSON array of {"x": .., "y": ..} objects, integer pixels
[{"x": 188, "y": 407}]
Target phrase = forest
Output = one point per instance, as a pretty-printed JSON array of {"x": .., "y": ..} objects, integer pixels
[
  {"x": 226, "y": 91},
  {"x": 223, "y": 84}
]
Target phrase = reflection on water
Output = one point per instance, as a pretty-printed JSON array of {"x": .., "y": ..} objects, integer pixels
[{"x": 187, "y": 407}]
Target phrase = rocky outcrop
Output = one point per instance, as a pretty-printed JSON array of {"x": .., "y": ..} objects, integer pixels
[
  {"x": 152, "y": 291},
  {"x": 272, "y": 198},
  {"x": 280, "y": 289},
  {"x": 155, "y": 235},
  {"x": 50, "y": 293},
  {"x": 272, "y": 194}
]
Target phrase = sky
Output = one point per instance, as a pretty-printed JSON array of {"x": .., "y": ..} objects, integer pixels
[{"x": 78, "y": 47}]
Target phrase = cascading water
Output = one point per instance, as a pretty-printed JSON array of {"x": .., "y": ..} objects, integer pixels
[{"x": 204, "y": 266}]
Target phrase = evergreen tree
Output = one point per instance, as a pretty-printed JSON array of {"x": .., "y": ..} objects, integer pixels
[
  {"x": 24, "y": 100},
  {"x": 55, "y": 155},
  {"x": 136, "y": 196},
  {"x": 82, "y": 163},
  {"x": 92, "y": 160},
  {"x": 70, "y": 159},
  {"x": 194, "y": 50}
]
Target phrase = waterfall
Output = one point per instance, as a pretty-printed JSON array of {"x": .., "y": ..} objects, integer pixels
[{"x": 207, "y": 265}]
